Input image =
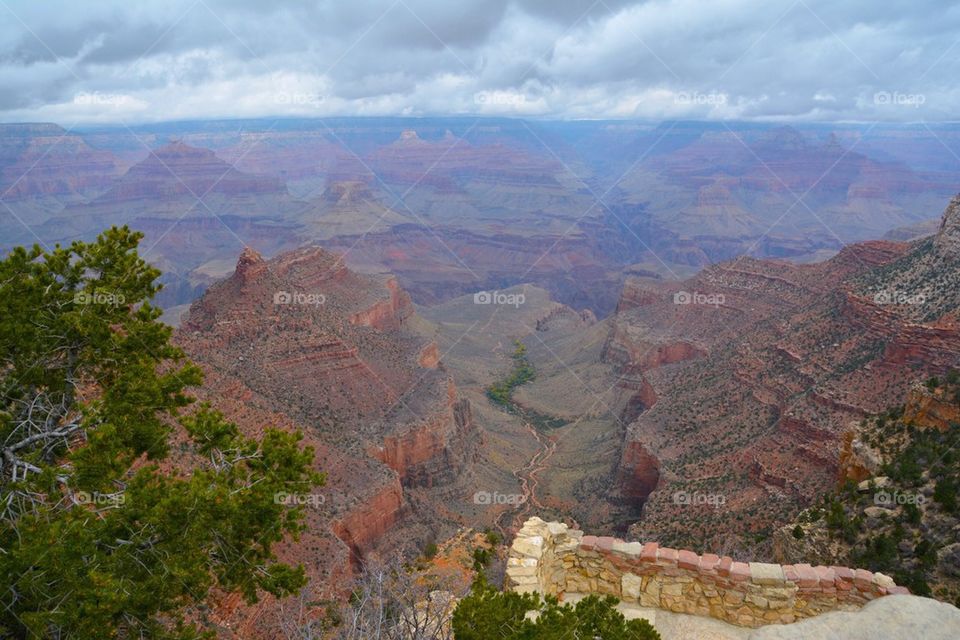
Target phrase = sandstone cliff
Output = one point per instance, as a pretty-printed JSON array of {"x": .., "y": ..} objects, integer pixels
[
  {"x": 758, "y": 366},
  {"x": 305, "y": 343}
]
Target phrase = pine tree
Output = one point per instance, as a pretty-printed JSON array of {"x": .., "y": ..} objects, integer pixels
[{"x": 95, "y": 540}]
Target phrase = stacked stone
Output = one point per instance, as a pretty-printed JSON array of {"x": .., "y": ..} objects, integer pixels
[
  {"x": 549, "y": 558},
  {"x": 539, "y": 556}
]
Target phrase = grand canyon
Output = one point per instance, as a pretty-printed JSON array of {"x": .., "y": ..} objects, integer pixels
[{"x": 701, "y": 359}]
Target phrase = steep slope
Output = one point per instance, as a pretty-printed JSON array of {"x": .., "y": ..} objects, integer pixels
[
  {"x": 755, "y": 368},
  {"x": 303, "y": 342},
  {"x": 895, "y": 508}
]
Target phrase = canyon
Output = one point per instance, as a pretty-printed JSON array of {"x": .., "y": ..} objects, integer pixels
[
  {"x": 454, "y": 205},
  {"x": 701, "y": 342}
]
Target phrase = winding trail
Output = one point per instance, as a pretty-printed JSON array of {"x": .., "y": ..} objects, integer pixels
[{"x": 527, "y": 476}]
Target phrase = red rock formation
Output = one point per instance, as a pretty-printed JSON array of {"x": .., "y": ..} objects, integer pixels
[
  {"x": 931, "y": 409},
  {"x": 638, "y": 473},
  {"x": 362, "y": 527},
  {"x": 788, "y": 357},
  {"x": 429, "y": 356},
  {"x": 387, "y": 314},
  {"x": 178, "y": 169},
  {"x": 303, "y": 342},
  {"x": 424, "y": 450},
  {"x": 637, "y": 293}
]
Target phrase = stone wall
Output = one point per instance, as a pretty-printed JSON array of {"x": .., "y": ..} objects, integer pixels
[{"x": 549, "y": 558}]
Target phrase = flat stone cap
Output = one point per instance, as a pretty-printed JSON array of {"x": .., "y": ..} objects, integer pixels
[{"x": 766, "y": 573}]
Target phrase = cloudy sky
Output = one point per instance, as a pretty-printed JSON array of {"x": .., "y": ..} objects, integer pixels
[{"x": 865, "y": 60}]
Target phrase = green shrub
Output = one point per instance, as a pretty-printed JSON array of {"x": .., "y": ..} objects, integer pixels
[
  {"x": 489, "y": 614},
  {"x": 481, "y": 558},
  {"x": 945, "y": 494}
]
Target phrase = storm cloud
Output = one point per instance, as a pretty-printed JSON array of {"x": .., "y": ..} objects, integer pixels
[{"x": 150, "y": 60}]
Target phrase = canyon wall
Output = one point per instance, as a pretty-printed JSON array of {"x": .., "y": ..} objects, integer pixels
[
  {"x": 301, "y": 342},
  {"x": 931, "y": 408},
  {"x": 549, "y": 558}
]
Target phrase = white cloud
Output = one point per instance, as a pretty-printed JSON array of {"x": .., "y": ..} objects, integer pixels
[{"x": 750, "y": 59}]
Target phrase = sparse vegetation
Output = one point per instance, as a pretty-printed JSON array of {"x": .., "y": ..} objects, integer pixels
[
  {"x": 908, "y": 538},
  {"x": 481, "y": 558},
  {"x": 502, "y": 392}
]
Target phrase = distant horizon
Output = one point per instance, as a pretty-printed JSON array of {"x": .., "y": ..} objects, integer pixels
[{"x": 758, "y": 123}]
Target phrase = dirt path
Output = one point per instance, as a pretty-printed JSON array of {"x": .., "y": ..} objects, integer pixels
[{"x": 527, "y": 476}]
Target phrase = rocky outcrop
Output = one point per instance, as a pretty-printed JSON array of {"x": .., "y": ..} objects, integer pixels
[
  {"x": 947, "y": 240},
  {"x": 927, "y": 408},
  {"x": 362, "y": 527},
  {"x": 429, "y": 447},
  {"x": 638, "y": 292},
  {"x": 638, "y": 474},
  {"x": 625, "y": 349},
  {"x": 858, "y": 460},
  {"x": 429, "y": 356},
  {"x": 387, "y": 314},
  {"x": 643, "y": 398},
  {"x": 551, "y": 559}
]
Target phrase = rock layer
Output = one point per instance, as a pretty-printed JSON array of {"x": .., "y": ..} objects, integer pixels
[
  {"x": 302, "y": 342},
  {"x": 758, "y": 366}
]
